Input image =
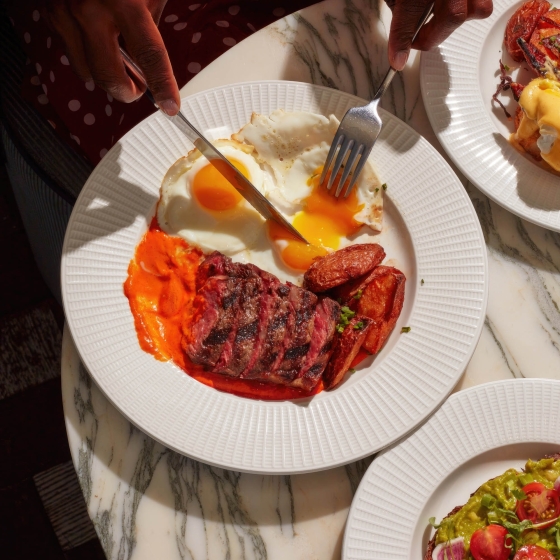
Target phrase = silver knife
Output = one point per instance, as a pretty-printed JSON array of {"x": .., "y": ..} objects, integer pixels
[{"x": 245, "y": 188}]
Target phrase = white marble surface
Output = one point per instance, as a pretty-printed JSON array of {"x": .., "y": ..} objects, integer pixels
[{"x": 148, "y": 502}]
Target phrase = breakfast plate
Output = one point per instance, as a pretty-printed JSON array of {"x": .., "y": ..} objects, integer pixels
[
  {"x": 475, "y": 436},
  {"x": 457, "y": 80},
  {"x": 430, "y": 232}
]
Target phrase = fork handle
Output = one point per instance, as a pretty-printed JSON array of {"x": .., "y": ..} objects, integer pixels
[{"x": 391, "y": 72}]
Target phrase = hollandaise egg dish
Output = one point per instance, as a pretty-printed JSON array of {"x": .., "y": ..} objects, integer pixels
[{"x": 282, "y": 154}]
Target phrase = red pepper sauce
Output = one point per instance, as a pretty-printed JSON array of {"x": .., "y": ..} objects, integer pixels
[{"x": 160, "y": 289}]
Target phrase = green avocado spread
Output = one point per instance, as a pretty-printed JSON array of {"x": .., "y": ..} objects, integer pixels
[{"x": 495, "y": 502}]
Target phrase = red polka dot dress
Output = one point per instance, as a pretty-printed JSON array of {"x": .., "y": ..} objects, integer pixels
[{"x": 90, "y": 119}]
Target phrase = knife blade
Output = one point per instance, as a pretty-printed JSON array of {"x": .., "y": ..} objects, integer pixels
[{"x": 243, "y": 186}]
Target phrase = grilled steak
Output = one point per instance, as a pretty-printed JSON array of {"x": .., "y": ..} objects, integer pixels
[
  {"x": 247, "y": 324},
  {"x": 215, "y": 309}
]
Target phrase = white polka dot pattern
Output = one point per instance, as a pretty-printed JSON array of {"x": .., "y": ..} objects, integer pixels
[
  {"x": 229, "y": 41},
  {"x": 470, "y": 423},
  {"x": 196, "y": 37},
  {"x": 394, "y": 395},
  {"x": 89, "y": 118},
  {"x": 74, "y": 105},
  {"x": 194, "y": 67},
  {"x": 180, "y": 26}
]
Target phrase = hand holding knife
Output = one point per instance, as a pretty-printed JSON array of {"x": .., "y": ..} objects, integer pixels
[{"x": 245, "y": 188}]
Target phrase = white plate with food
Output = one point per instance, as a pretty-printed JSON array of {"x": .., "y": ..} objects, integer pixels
[
  {"x": 479, "y": 480},
  {"x": 516, "y": 167},
  {"x": 207, "y": 282}
]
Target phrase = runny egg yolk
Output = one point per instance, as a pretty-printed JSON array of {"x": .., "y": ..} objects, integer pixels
[
  {"x": 213, "y": 190},
  {"x": 323, "y": 221}
]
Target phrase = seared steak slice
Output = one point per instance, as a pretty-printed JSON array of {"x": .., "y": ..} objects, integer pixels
[
  {"x": 247, "y": 324},
  {"x": 214, "y": 311},
  {"x": 238, "y": 350},
  {"x": 217, "y": 264},
  {"x": 327, "y": 313},
  {"x": 299, "y": 340},
  {"x": 279, "y": 325}
]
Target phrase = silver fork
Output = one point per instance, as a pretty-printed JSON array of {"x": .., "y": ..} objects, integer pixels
[{"x": 358, "y": 132}]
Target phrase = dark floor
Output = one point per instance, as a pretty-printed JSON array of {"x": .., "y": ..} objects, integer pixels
[{"x": 42, "y": 512}]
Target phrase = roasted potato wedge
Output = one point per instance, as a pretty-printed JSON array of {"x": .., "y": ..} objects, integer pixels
[
  {"x": 341, "y": 266},
  {"x": 382, "y": 301},
  {"x": 346, "y": 345}
]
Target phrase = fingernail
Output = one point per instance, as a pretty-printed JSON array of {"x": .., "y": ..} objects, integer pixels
[
  {"x": 400, "y": 59},
  {"x": 169, "y": 107}
]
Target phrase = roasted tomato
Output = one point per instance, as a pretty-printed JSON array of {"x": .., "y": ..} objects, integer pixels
[
  {"x": 522, "y": 24},
  {"x": 533, "y": 552},
  {"x": 541, "y": 507},
  {"x": 489, "y": 543}
]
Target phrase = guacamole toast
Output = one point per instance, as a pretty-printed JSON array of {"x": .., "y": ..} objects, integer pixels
[{"x": 514, "y": 516}]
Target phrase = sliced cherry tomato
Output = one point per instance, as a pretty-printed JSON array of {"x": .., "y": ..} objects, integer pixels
[
  {"x": 489, "y": 543},
  {"x": 541, "y": 507},
  {"x": 533, "y": 552}
]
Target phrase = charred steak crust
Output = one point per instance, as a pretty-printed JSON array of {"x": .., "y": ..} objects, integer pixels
[
  {"x": 247, "y": 327},
  {"x": 247, "y": 324},
  {"x": 214, "y": 310},
  {"x": 304, "y": 304},
  {"x": 327, "y": 313}
]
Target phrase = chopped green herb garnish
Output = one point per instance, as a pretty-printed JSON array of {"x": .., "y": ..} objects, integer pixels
[
  {"x": 376, "y": 190},
  {"x": 345, "y": 315},
  {"x": 384, "y": 186},
  {"x": 352, "y": 370},
  {"x": 506, "y": 67},
  {"x": 519, "y": 494},
  {"x": 405, "y": 329},
  {"x": 358, "y": 294},
  {"x": 359, "y": 325},
  {"x": 432, "y": 522},
  {"x": 488, "y": 501},
  {"x": 422, "y": 282},
  {"x": 525, "y": 479}
]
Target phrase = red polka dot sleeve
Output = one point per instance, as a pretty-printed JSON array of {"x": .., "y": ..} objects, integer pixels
[{"x": 87, "y": 117}]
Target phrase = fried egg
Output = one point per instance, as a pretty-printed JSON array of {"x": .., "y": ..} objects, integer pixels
[
  {"x": 295, "y": 146},
  {"x": 199, "y": 204},
  {"x": 282, "y": 155}
]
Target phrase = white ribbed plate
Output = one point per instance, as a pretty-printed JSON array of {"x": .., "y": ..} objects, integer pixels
[
  {"x": 379, "y": 404},
  {"x": 476, "y": 435},
  {"x": 457, "y": 80}
]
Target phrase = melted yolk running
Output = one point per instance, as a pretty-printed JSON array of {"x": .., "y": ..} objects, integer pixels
[
  {"x": 323, "y": 222},
  {"x": 213, "y": 191}
]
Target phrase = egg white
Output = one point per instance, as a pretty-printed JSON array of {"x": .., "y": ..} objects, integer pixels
[
  {"x": 229, "y": 231},
  {"x": 294, "y": 145}
]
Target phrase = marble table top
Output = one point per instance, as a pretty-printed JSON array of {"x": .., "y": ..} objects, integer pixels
[{"x": 148, "y": 502}]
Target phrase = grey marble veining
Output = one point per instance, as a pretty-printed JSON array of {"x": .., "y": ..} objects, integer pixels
[{"x": 149, "y": 502}]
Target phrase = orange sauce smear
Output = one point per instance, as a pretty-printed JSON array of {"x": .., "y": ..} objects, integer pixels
[{"x": 160, "y": 289}]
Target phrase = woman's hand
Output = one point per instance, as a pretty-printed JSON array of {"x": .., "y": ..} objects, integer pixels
[
  {"x": 448, "y": 15},
  {"x": 90, "y": 30}
]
